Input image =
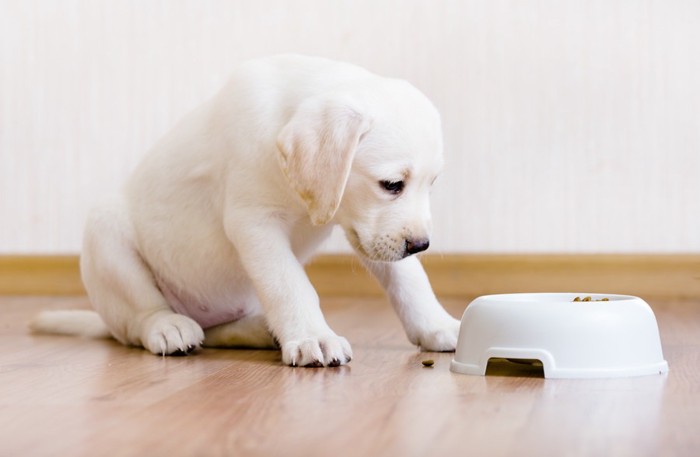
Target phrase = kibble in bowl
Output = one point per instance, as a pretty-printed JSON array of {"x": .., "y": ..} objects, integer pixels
[{"x": 590, "y": 299}]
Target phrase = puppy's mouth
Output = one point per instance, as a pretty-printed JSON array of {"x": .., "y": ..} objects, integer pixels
[
  {"x": 381, "y": 249},
  {"x": 354, "y": 239}
]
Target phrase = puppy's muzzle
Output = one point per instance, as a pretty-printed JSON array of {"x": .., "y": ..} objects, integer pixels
[{"x": 414, "y": 246}]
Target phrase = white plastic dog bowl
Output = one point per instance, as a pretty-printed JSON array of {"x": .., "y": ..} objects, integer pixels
[{"x": 582, "y": 339}]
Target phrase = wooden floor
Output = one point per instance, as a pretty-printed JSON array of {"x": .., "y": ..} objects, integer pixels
[{"x": 61, "y": 396}]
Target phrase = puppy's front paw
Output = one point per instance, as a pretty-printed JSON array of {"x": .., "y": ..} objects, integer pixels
[
  {"x": 441, "y": 338},
  {"x": 172, "y": 334},
  {"x": 325, "y": 351}
]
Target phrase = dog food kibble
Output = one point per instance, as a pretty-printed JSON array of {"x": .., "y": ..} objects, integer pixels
[
  {"x": 589, "y": 299},
  {"x": 428, "y": 363}
]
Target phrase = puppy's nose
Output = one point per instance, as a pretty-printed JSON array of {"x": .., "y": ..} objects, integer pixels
[{"x": 416, "y": 245}]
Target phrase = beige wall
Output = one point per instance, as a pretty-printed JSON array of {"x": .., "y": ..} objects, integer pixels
[{"x": 570, "y": 126}]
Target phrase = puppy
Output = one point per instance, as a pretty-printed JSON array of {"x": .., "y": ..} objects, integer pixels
[{"x": 207, "y": 242}]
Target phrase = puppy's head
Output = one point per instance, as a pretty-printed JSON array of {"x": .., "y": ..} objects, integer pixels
[{"x": 367, "y": 162}]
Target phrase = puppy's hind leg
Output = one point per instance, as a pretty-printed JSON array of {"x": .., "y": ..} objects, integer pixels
[
  {"x": 248, "y": 332},
  {"x": 123, "y": 290}
]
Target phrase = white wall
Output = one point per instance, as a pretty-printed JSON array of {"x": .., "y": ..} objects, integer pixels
[{"x": 570, "y": 126}]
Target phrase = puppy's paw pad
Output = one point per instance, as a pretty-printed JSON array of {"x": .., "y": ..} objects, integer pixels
[{"x": 172, "y": 334}]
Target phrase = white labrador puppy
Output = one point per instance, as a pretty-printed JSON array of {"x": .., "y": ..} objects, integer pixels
[{"x": 206, "y": 246}]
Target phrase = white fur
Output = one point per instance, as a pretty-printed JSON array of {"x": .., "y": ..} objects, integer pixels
[{"x": 218, "y": 220}]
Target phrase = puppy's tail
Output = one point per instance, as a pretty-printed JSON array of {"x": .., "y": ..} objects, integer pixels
[{"x": 74, "y": 322}]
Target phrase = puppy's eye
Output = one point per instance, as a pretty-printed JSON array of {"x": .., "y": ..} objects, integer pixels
[{"x": 393, "y": 187}]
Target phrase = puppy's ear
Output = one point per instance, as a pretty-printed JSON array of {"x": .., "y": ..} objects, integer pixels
[{"x": 316, "y": 150}]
